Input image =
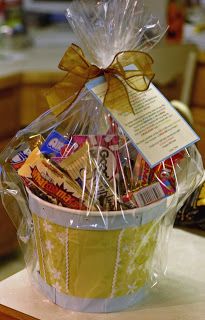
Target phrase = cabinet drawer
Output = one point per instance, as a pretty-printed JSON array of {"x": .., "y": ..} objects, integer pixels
[
  {"x": 33, "y": 102},
  {"x": 8, "y": 239}
]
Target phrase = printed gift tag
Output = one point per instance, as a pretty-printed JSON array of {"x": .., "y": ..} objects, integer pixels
[{"x": 157, "y": 130}]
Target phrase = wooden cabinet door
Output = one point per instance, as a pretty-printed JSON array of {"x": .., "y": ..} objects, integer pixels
[
  {"x": 8, "y": 239},
  {"x": 33, "y": 94},
  {"x": 33, "y": 102},
  {"x": 9, "y": 112}
]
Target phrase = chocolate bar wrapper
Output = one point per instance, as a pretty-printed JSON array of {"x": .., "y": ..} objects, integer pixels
[
  {"x": 102, "y": 148},
  {"x": 56, "y": 144},
  {"x": 21, "y": 155},
  {"x": 19, "y": 159},
  {"x": 141, "y": 172},
  {"x": 52, "y": 181},
  {"x": 163, "y": 173},
  {"x": 90, "y": 176},
  {"x": 165, "y": 170}
]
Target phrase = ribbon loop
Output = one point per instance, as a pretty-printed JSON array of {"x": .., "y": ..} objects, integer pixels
[{"x": 80, "y": 71}]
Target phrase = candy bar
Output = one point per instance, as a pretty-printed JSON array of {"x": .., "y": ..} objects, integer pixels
[
  {"x": 52, "y": 181},
  {"x": 91, "y": 176},
  {"x": 60, "y": 147},
  {"x": 21, "y": 155},
  {"x": 141, "y": 172},
  {"x": 55, "y": 144},
  {"x": 19, "y": 159}
]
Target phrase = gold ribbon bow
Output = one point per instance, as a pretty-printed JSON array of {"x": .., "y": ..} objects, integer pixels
[{"x": 118, "y": 79}]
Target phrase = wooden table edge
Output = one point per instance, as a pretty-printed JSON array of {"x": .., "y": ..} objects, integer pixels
[{"x": 7, "y": 313}]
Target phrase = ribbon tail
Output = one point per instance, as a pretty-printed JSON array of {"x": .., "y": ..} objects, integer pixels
[
  {"x": 64, "y": 93},
  {"x": 140, "y": 82},
  {"x": 117, "y": 96},
  {"x": 140, "y": 75}
]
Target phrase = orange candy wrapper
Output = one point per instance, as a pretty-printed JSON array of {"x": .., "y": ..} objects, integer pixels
[{"x": 50, "y": 180}]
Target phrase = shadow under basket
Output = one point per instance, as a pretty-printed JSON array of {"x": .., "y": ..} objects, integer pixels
[{"x": 96, "y": 263}]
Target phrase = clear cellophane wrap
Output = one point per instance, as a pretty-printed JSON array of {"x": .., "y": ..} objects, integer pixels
[{"x": 93, "y": 219}]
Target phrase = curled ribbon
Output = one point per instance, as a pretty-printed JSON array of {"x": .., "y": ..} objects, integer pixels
[{"x": 80, "y": 71}]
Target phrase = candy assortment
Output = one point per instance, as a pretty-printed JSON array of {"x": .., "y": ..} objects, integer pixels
[{"x": 90, "y": 172}]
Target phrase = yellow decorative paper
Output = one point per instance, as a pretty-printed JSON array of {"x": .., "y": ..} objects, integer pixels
[{"x": 95, "y": 263}]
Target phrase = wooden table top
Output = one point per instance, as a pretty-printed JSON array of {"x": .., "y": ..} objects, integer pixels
[{"x": 11, "y": 314}]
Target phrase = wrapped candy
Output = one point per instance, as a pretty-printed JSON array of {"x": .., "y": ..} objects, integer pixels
[{"x": 98, "y": 189}]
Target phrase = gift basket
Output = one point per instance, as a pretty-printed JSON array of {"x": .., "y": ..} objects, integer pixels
[{"x": 93, "y": 212}]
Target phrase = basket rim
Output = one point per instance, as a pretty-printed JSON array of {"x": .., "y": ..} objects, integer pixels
[{"x": 49, "y": 205}]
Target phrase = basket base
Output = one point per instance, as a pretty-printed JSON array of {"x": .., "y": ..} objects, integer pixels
[{"x": 90, "y": 305}]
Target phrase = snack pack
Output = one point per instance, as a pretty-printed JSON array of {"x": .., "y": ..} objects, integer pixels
[{"x": 93, "y": 211}]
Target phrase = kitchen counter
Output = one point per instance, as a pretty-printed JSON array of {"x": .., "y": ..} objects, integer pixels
[
  {"x": 16, "y": 67},
  {"x": 24, "y": 77},
  {"x": 49, "y": 45},
  {"x": 181, "y": 295}
]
